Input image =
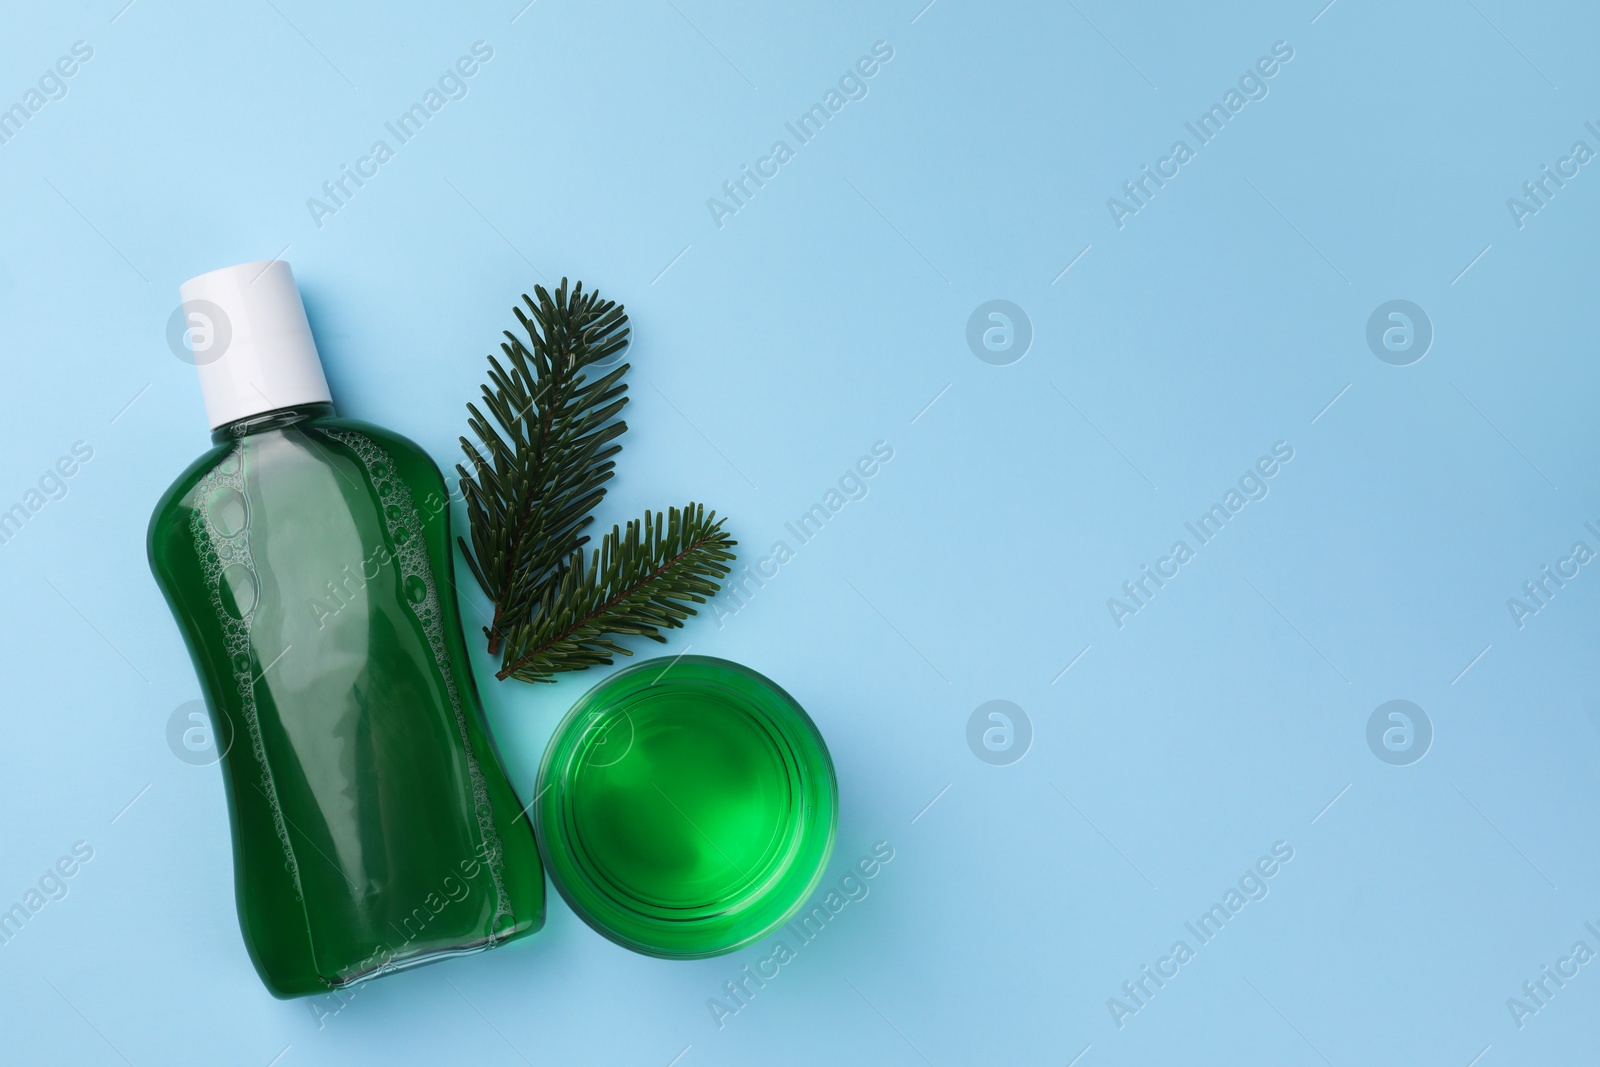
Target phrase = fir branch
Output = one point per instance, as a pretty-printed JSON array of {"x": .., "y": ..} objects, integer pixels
[
  {"x": 639, "y": 583},
  {"x": 548, "y": 452}
]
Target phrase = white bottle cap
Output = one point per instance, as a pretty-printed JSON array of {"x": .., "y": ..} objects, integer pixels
[{"x": 251, "y": 342}]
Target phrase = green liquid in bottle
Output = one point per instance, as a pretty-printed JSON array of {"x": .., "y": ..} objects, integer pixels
[{"x": 307, "y": 561}]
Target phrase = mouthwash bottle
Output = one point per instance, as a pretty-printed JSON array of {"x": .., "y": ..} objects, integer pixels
[{"x": 307, "y": 561}]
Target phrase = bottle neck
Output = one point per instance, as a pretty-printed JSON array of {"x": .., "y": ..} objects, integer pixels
[{"x": 269, "y": 420}]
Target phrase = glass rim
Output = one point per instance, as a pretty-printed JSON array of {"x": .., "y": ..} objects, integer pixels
[{"x": 792, "y": 864}]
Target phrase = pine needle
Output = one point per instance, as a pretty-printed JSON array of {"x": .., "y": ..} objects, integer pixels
[
  {"x": 639, "y": 583},
  {"x": 547, "y": 449},
  {"x": 548, "y": 452}
]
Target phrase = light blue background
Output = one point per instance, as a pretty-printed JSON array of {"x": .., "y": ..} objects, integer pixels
[{"x": 772, "y": 352}]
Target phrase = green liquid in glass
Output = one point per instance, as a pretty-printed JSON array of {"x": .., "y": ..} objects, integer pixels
[
  {"x": 307, "y": 561},
  {"x": 687, "y": 807}
]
